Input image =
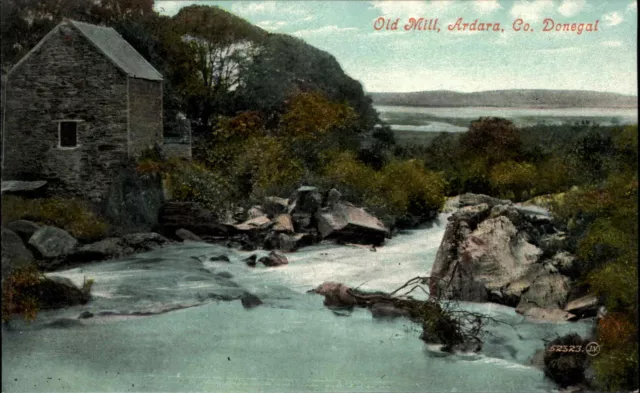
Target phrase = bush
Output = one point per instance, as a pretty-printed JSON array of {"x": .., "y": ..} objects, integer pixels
[
  {"x": 616, "y": 365},
  {"x": 72, "y": 215},
  {"x": 16, "y": 297},
  {"x": 268, "y": 167},
  {"x": 194, "y": 183},
  {"x": 409, "y": 188},
  {"x": 513, "y": 179}
]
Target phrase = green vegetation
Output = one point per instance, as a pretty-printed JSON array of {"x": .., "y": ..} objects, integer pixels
[
  {"x": 16, "y": 297},
  {"x": 72, "y": 215}
]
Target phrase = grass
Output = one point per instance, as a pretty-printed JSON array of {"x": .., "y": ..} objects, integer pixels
[{"x": 72, "y": 215}]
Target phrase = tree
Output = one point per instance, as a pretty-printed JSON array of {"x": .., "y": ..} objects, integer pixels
[
  {"x": 221, "y": 44},
  {"x": 493, "y": 138}
]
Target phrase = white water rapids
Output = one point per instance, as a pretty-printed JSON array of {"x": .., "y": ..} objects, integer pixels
[{"x": 291, "y": 343}]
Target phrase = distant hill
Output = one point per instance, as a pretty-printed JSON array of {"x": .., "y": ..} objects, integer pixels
[{"x": 509, "y": 98}]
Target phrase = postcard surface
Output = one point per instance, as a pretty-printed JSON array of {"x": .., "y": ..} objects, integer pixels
[{"x": 339, "y": 196}]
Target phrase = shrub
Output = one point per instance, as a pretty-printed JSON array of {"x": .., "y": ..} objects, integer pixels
[
  {"x": 194, "y": 183},
  {"x": 269, "y": 166},
  {"x": 409, "y": 188},
  {"x": 616, "y": 365},
  {"x": 72, "y": 215},
  {"x": 16, "y": 297},
  {"x": 512, "y": 178}
]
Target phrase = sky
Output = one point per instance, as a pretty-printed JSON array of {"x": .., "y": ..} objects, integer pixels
[{"x": 460, "y": 60}]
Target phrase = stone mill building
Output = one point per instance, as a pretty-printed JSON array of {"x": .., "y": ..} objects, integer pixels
[{"x": 81, "y": 103}]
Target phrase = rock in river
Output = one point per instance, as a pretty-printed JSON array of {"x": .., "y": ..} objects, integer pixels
[
  {"x": 350, "y": 224},
  {"x": 51, "y": 242}
]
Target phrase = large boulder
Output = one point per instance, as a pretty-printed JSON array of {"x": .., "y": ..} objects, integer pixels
[
  {"x": 347, "y": 223},
  {"x": 192, "y": 217},
  {"x": 24, "y": 228},
  {"x": 109, "y": 248},
  {"x": 14, "y": 252},
  {"x": 283, "y": 223},
  {"x": 477, "y": 259},
  {"x": 51, "y": 242},
  {"x": 305, "y": 199}
]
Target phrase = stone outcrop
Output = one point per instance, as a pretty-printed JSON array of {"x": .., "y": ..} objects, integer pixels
[
  {"x": 51, "y": 242},
  {"x": 491, "y": 252}
]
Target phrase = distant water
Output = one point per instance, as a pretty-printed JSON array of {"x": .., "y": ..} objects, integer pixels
[
  {"x": 427, "y": 119},
  {"x": 291, "y": 343}
]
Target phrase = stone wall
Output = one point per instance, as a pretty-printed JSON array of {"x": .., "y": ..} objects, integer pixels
[
  {"x": 145, "y": 119},
  {"x": 66, "y": 78}
]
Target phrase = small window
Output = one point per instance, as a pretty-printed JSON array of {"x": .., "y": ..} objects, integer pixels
[{"x": 68, "y": 134}]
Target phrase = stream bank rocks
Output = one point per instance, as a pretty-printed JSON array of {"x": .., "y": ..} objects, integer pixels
[
  {"x": 495, "y": 251},
  {"x": 50, "y": 248},
  {"x": 306, "y": 217}
]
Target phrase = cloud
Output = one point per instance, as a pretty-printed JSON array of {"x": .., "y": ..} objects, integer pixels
[
  {"x": 571, "y": 7},
  {"x": 557, "y": 51},
  {"x": 532, "y": 11},
  {"x": 324, "y": 30},
  {"x": 485, "y": 7},
  {"x": 632, "y": 7},
  {"x": 272, "y": 24},
  {"x": 612, "y": 44},
  {"x": 412, "y": 8},
  {"x": 171, "y": 7},
  {"x": 612, "y": 18}
]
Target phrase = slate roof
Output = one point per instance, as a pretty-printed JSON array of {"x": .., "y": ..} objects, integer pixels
[{"x": 118, "y": 50}]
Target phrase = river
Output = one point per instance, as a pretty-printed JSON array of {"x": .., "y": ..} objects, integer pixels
[{"x": 291, "y": 343}]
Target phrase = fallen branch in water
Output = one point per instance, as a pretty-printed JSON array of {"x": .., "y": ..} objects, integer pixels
[{"x": 443, "y": 321}]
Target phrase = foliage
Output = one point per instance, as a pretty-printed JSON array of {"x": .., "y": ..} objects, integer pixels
[
  {"x": 401, "y": 187},
  {"x": 16, "y": 297},
  {"x": 409, "y": 188},
  {"x": 616, "y": 365},
  {"x": 312, "y": 115},
  {"x": 193, "y": 182},
  {"x": 271, "y": 170},
  {"x": 513, "y": 179},
  {"x": 72, "y": 215},
  {"x": 495, "y": 139}
]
